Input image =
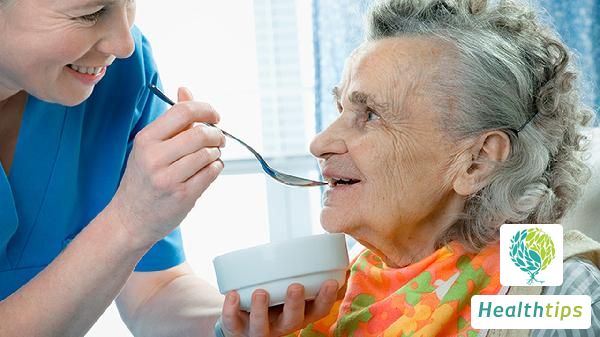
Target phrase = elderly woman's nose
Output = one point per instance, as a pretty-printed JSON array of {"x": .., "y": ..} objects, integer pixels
[{"x": 327, "y": 142}]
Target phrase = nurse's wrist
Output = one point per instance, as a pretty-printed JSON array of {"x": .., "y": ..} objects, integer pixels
[{"x": 121, "y": 225}]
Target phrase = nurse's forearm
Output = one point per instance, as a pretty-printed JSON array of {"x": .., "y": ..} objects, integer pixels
[
  {"x": 186, "y": 306},
  {"x": 69, "y": 295}
]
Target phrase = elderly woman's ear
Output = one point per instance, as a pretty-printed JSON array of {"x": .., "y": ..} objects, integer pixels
[{"x": 479, "y": 162}]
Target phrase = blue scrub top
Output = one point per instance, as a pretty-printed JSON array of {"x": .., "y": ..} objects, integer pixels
[{"x": 67, "y": 166}]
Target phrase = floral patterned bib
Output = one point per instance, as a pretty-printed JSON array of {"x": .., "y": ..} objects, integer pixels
[{"x": 429, "y": 298}]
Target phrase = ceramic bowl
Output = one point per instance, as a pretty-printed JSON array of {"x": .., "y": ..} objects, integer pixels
[{"x": 309, "y": 260}]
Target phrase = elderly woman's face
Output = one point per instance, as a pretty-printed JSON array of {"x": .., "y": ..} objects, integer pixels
[
  {"x": 386, "y": 145},
  {"x": 46, "y": 45}
]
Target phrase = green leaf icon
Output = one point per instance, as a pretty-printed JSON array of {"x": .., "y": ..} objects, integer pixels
[{"x": 532, "y": 250}]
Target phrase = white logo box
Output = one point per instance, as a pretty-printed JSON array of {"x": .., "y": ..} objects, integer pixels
[
  {"x": 554, "y": 306},
  {"x": 512, "y": 275}
]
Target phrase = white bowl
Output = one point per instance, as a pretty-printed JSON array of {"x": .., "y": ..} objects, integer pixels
[{"x": 309, "y": 260}]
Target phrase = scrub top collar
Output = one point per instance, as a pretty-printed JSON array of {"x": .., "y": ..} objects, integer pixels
[{"x": 23, "y": 191}]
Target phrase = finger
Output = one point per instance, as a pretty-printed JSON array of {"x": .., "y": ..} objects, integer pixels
[
  {"x": 293, "y": 311},
  {"x": 179, "y": 118},
  {"x": 259, "y": 314},
  {"x": 200, "y": 181},
  {"x": 232, "y": 321},
  {"x": 189, "y": 165},
  {"x": 322, "y": 304},
  {"x": 184, "y": 94},
  {"x": 190, "y": 141}
]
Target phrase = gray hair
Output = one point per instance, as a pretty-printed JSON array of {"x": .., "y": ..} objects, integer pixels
[
  {"x": 509, "y": 70},
  {"x": 6, "y": 3}
]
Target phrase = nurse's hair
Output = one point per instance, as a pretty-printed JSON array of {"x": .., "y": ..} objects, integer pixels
[{"x": 505, "y": 70}]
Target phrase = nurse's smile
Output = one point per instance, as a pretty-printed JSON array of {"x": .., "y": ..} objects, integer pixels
[{"x": 87, "y": 75}]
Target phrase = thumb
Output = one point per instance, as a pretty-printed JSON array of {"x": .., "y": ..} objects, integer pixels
[{"x": 184, "y": 94}]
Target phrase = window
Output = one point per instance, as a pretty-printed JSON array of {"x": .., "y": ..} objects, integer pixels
[{"x": 253, "y": 62}]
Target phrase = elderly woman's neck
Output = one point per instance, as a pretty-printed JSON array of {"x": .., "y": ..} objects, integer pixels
[
  {"x": 409, "y": 244},
  {"x": 408, "y": 250}
]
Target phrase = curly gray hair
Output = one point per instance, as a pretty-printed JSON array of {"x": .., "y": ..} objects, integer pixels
[{"x": 510, "y": 71}]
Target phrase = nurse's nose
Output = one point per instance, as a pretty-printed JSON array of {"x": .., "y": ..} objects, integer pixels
[{"x": 117, "y": 39}]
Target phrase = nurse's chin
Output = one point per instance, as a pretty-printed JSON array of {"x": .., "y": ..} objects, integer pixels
[{"x": 73, "y": 99}]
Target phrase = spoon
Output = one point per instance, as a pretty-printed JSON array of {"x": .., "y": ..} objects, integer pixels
[{"x": 283, "y": 178}]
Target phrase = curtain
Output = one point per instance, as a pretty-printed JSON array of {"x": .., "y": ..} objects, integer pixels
[
  {"x": 339, "y": 27},
  {"x": 578, "y": 23}
]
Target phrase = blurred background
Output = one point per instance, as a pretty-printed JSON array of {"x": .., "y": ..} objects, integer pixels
[{"x": 268, "y": 67}]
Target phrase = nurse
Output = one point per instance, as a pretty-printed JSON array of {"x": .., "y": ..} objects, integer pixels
[{"x": 96, "y": 176}]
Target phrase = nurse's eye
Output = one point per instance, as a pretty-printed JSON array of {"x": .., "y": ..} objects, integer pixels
[{"x": 94, "y": 16}]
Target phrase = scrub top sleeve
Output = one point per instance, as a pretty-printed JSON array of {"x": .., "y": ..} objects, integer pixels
[
  {"x": 148, "y": 106},
  {"x": 167, "y": 252}
]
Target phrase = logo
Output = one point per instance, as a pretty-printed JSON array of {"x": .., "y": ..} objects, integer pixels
[
  {"x": 531, "y": 255},
  {"x": 532, "y": 250},
  {"x": 531, "y": 312}
]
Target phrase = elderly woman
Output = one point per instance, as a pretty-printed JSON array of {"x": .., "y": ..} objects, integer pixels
[{"x": 455, "y": 117}]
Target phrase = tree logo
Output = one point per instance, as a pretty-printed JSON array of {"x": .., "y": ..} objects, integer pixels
[{"x": 532, "y": 250}]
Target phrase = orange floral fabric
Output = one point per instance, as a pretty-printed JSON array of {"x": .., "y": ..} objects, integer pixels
[{"x": 429, "y": 298}]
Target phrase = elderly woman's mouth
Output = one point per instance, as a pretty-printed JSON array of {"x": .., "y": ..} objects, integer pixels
[{"x": 333, "y": 182}]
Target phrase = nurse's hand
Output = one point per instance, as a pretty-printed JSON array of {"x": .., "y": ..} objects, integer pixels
[
  {"x": 263, "y": 321},
  {"x": 171, "y": 164}
]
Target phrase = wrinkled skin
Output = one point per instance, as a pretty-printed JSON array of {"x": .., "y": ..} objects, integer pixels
[{"x": 388, "y": 138}]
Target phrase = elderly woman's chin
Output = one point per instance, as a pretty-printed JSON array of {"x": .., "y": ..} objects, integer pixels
[
  {"x": 336, "y": 220},
  {"x": 340, "y": 212}
]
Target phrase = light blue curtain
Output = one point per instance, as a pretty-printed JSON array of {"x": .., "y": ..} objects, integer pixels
[
  {"x": 338, "y": 29},
  {"x": 578, "y": 22},
  {"x": 339, "y": 26}
]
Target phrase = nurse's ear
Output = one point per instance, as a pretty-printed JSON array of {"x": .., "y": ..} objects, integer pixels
[{"x": 477, "y": 164}]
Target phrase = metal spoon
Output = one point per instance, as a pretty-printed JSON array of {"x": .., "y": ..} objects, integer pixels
[{"x": 279, "y": 176}]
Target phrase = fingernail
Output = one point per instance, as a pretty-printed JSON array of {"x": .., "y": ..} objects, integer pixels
[
  {"x": 295, "y": 292},
  {"x": 230, "y": 298},
  {"x": 331, "y": 289},
  {"x": 215, "y": 132},
  {"x": 260, "y": 297}
]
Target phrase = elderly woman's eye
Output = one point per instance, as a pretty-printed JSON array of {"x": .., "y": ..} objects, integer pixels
[
  {"x": 372, "y": 115},
  {"x": 93, "y": 17}
]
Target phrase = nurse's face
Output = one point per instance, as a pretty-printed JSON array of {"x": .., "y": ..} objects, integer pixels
[{"x": 57, "y": 50}]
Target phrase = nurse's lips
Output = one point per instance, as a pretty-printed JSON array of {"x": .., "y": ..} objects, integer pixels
[{"x": 88, "y": 75}]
